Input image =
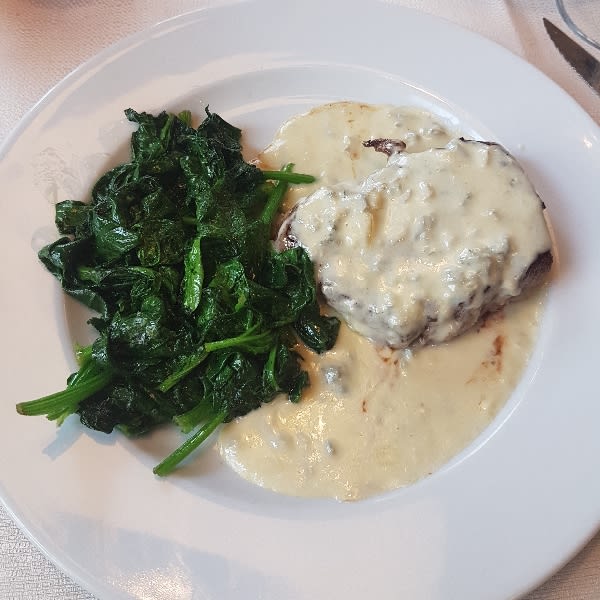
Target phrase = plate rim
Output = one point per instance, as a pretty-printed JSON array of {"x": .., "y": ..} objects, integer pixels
[{"x": 140, "y": 37}]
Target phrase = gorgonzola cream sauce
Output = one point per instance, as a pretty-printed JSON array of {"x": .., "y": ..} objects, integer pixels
[{"x": 373, "y": 418}]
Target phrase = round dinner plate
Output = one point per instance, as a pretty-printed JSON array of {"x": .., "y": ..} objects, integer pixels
[{"x": 496, "y": 521}]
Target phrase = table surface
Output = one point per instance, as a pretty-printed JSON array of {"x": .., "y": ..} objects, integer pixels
[{"x": 41, "y": 41}]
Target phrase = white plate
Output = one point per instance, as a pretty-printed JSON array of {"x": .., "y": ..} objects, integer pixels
[{"x": 506, "y": 513}]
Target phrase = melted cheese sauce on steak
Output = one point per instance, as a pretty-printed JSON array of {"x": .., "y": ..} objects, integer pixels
[
  {"x": 374, "y": 418},
  {"x": 420, "y": 247}
]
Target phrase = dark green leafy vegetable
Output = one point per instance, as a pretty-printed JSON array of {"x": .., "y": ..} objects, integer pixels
[{"x": 198, "y": 316}]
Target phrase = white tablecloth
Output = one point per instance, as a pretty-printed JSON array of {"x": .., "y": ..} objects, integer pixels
[{"x": 41, "y": 41}]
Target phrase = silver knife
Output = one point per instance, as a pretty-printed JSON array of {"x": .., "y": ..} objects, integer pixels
[{"x": 581, "y": 60}]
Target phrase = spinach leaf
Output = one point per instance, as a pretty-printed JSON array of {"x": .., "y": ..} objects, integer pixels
[
  {"x": 193, "y": 275},
  {"x": 72, "y": 217},
  {"x": 196, "y": 311}
]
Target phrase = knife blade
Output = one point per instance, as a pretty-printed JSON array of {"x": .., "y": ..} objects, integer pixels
[{"x": 580, "y": 59}]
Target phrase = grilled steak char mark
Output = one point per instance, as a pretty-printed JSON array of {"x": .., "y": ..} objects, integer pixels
[{"x": 385, "y": 145}]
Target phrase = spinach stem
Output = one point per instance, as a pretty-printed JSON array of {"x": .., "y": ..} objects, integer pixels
[
  {"x": 190, "y": 419},
  {"x": 186, "y": 117},
  {"x": 251, "y": 342},
  {"x": 289, "y": 177},
  {"x": 189, "y": 365},
  {"x": 254, "y": 343},
  {"x": 275, "y": 198},
  {"x": 83, "y": 354},
  {"x": 170, "y": 462},
  {"x": 70, "y": 397}
]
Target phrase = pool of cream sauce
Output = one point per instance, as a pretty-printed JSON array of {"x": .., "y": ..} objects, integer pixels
[{"x": 375, "y": 419}]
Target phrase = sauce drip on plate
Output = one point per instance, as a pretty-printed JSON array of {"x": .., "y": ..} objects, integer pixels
[{"x": 375, "y": 419}]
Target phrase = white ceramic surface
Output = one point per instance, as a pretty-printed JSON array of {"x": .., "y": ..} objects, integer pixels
[{"x": 508, "y": 511}]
